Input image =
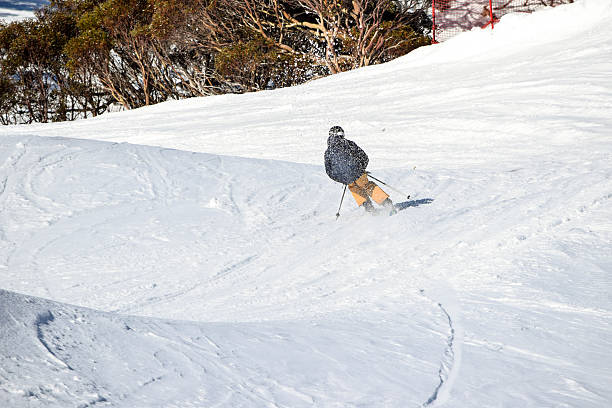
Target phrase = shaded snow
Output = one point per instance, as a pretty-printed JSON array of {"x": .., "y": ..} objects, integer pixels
[{"x": 61, "y": 355}]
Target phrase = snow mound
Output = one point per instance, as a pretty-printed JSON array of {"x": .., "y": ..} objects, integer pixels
[{"x": 53, "y": 354}]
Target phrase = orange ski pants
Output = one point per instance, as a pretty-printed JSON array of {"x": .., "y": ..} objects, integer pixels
[{"x": 362, "y": 188}]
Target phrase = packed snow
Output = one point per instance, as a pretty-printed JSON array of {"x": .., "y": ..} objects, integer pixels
[{"x": 187, "y": 254}]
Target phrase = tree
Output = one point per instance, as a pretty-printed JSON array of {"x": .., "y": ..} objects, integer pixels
[{"x": 77, "y": 57}]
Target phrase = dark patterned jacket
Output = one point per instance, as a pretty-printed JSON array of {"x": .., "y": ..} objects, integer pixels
[{"x": 345, "y": 162}]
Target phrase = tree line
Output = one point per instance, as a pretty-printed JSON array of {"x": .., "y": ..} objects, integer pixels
[{"x": 77, "y": 58}]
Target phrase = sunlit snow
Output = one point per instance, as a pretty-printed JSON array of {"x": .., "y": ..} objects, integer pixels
[{"x": 187, "y": 254}]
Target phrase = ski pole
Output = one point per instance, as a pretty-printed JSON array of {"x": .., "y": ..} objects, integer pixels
[
  {"x": 391, "y": 187},
  {"x": 341, "y": 200}
]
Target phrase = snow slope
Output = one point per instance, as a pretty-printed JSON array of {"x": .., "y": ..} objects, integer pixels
[
  {"x": 199, "y": 264},
  {"x": 15, "y": 10}
]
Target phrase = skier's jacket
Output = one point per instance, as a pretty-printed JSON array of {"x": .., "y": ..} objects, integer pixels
[{"x": 345, "y": 162}]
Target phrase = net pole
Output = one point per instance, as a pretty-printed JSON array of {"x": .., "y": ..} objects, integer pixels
[{"x": 433, "y": 19}]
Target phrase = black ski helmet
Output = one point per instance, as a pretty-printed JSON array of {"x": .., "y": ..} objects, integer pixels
[{"x": 336, "y": 131}]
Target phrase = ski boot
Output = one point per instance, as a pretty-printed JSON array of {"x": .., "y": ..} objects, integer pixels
[
  {"x": 369, "y": 207},
  {"x": 388, "y": 204}
]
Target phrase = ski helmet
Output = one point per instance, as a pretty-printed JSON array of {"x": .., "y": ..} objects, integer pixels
[{"x": 336, "y": 131}]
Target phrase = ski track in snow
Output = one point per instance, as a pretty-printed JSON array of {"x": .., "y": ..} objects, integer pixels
[
  {"x": 450, "y": 362},
  {"x": 42, "y": 320}
]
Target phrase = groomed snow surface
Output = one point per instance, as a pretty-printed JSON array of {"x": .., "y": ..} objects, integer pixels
[{"x": 187, "y": 254}]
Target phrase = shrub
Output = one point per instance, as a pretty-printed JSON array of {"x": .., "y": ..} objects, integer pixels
[{"x": 77, "y": 57}]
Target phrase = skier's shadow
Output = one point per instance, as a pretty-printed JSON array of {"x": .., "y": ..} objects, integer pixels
[{"x": 413, "y": 203}]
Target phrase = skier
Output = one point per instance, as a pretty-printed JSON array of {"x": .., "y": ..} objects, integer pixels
[{"x": 345, "y": 162}]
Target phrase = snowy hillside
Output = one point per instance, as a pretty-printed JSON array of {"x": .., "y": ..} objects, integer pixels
[
  {"x": 13, "y": 10},
  {"x": 187, "y": 254}
]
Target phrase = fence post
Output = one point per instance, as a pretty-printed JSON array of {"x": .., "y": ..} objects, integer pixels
[{"x": 433, "y": 19}]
